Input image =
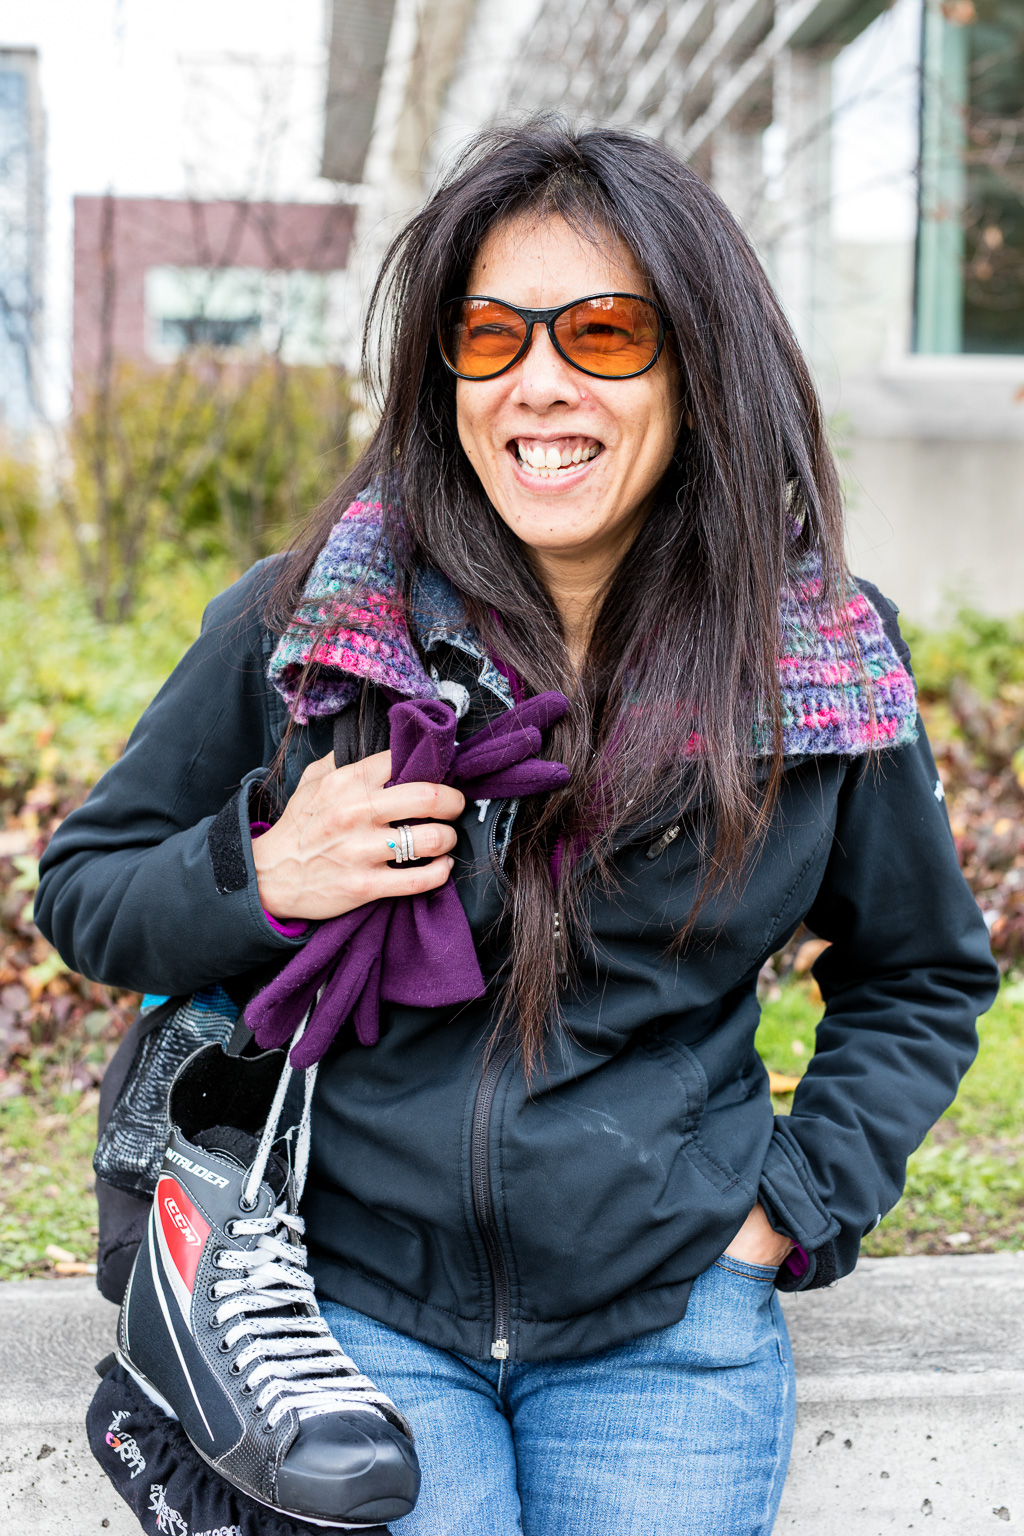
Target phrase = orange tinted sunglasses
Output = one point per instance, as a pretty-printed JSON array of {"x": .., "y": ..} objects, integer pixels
[{"x": 608, "y": 335}]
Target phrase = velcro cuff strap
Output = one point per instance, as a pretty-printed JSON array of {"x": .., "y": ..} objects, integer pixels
[
  {"x": 229, "y": 834},
  {"x": 786, "y": 1187},
  {"x": 822, "y": 1270}
]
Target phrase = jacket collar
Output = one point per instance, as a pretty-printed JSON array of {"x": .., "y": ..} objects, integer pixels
[
  {"x": 373, "y": 643},
  {"x": 826, "y": 707}
]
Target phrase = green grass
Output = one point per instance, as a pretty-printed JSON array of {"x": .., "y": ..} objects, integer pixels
[
  {"x": 71, "y": 688},
  {"x": 46, "y": 1180},
  {"x": 967, "y": 1178},
  {"x": 967, "y": 1181}
]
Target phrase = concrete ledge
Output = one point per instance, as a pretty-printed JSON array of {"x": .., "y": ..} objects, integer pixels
[
  {"x": 910, "y": 1388},
  {"x": 53, "y": 1333},
  {"x": 910, "y": 1385}
]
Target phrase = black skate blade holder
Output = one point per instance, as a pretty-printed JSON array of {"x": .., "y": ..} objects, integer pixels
[{"x": 126, "y": 1428}]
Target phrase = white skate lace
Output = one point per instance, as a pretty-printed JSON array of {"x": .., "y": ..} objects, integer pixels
[{"x": 297, "y": 1362}]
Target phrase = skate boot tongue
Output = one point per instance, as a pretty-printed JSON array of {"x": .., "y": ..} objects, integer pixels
[{"x": 242, "y": 1147}]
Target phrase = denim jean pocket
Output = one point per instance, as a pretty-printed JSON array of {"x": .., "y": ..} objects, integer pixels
[{"x": 764, "y": 1273}]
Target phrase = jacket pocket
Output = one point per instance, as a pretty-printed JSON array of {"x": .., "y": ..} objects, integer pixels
[
  {"x": 685, "y": 1066},
  {"x": 599, "y": 1188}
]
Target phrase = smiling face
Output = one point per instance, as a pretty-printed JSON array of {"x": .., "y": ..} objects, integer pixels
[{"x": 569, "y": 462}]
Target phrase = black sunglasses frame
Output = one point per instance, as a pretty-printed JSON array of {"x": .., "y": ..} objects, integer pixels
[{"x": 547, "y": 318}]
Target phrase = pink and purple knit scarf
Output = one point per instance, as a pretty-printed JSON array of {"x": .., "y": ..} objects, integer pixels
[{"x": 829, "y": 706}]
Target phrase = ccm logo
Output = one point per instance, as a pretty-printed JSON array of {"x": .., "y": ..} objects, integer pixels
[{"x": 182, "y": 1223}]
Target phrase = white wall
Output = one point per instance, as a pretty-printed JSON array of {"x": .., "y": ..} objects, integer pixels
[
  {"x": 931, "y": 449},
  {"x": 938, "y": 524}
]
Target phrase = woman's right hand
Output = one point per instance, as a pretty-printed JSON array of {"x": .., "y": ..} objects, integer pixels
[{"x": 329, "y": 851}]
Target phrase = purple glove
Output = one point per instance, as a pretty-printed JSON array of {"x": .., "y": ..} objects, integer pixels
[{"x": 416, "y": 950}]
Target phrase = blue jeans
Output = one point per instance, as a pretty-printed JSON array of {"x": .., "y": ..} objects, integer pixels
[{"x": 682, "y": 1432}]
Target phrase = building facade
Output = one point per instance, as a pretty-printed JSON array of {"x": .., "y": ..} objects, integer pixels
[
  {"x": 873, "y": 150},
  {"x": 156, "y": 277},
  {"x": 22, "y": 238}
]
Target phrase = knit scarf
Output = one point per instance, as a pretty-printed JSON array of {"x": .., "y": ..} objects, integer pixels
[{"x": 829, "y": 704}]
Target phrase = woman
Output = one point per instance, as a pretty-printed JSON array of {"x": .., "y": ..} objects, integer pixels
[{"x": 552, "y": 1222}]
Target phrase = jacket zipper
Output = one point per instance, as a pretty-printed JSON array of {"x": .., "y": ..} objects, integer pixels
[
  {"x": 561, "y": 969},
  {"x": 497, "y": 862},
  {"x": 483, "y": 1200},
  {"x": 658, "y": 847},
  {"x": 480, "y": 1160}
]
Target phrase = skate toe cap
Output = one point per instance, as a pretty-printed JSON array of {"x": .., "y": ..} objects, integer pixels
[{"x": 353, "y": 1465}]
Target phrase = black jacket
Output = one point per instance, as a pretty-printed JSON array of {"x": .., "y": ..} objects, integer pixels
[{"x": 447, "y": 1198}]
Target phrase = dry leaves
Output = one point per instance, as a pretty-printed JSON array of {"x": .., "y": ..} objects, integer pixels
[
  {"x": 782, "y": 1082},
  {"x": 981, "y": 763},
  {"x": 54, "y": 1025},
  {"x": 58, "y": 1026}
]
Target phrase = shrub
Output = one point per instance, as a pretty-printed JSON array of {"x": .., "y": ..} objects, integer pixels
[
  {"x": 219, "y": 459},
  {"x": 20, "y": 500},
  {"x": 71, "y": 687},
  {"x": 987, "y": 653}
]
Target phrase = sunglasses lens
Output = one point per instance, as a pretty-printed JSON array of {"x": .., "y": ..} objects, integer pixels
[
  {"x": 610, "y": 335},
  {"x": 479, "y": 337}
]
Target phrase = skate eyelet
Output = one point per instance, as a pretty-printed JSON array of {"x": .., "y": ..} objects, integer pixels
[
  {"x": 243, "y": 1205},
  {"x": 258, "y": 1412},
  {"x": 212, "y": 1294},
  {"x": 224, "y": 1347},
  {"x": 234, "y": 1369}
]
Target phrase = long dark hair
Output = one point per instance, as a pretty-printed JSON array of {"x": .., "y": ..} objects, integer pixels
[{"x": 683, "y": 657}]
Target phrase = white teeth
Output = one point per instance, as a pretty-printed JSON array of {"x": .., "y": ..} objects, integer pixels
[{"x": 550, "y": 461}]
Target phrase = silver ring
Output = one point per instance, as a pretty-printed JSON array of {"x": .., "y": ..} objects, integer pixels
[{"x": 402, "y": 845}]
